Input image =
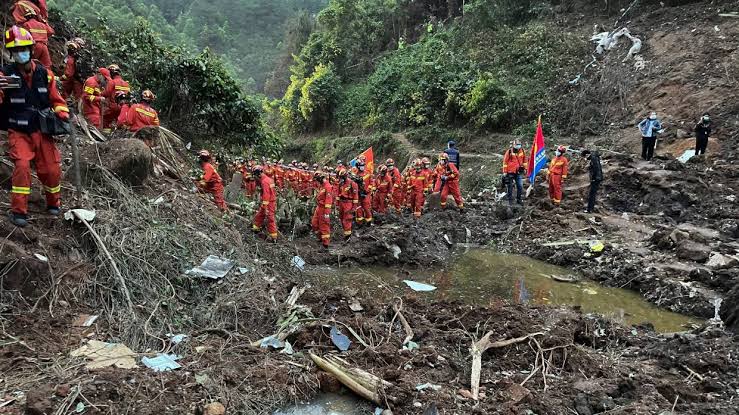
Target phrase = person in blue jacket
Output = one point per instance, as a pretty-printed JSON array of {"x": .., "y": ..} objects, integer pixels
[
  {"x": 453, "y": 153},
  {"x": 650, "y": 128}
]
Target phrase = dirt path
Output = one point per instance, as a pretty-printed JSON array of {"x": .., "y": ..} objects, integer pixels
[{"x": 415, "y": 152}]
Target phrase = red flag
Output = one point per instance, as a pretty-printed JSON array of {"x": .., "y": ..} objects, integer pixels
[
  {"x": 537, "y": 159},
  {"x": 369, "y": 157}
]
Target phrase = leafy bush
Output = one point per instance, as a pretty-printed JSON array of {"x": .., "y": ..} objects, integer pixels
[
  {"x": 353, "y": 110},
  {"x": 318, "y": 97},
  {"x": 488, "y": 104}
]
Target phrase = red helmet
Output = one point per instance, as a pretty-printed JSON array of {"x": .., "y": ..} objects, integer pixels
[
  {"x": 444, "y": 156},
  {"x": 562, "y": 149},
  {"x": 390, "y": 162},
  {"x": 417, "y": 163},
  {"x": 147, "y": 95},
  {"x": 361, "y": 159},
  {"x": 80, "y": 42},
  {"x": 426, "y": 160},
  {"x": 342, "y": 172},
  {"x": 382, "y": 168},
  {"x": 72, "y": 45},
  {"x": 17, "y": 37}
]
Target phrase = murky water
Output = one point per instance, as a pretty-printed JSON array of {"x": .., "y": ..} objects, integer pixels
[
  {"x": 330, "y": 404},
  {"x": 482, "y": 276}
]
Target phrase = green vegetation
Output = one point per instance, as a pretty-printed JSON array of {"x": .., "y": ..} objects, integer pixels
[
  {"x": 247, "y": 33},
  {"x": 399, "y": 66}
]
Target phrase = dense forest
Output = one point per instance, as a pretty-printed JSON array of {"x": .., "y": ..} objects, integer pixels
[{"x": 247, "y": 33}]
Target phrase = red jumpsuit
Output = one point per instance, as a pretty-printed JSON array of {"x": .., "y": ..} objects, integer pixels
[
  {"x": 267, "y": 208},
  {"x": 321, "y": 222},
  {"x": 70, "y": 82},
  {"x": 40, "y": 32},
  {"x": 113, "y": 110},
  {"x": 397, "y": 189},
  {"x": 557, "y": 173},
  {"x": 292, "y": 178},
  {"x": 384, "y": 187},
  {"x": 123, "y": 115},
  {"x": 211, "y": 183},
  {"x": 450, "y": 185},
  {"x": 364, "y": 212},
  {"x": 417, "y": 183},
  {"x": 141, "y": 115},
  {"x": 92, "y": 93},
  {"x": 20, "y": 7},
  {"x": 348, "y": 203},
  {"x": 30, "y": 145},
  {"x": 305, "y": 185},
  {"x": 279, "y": 176}
]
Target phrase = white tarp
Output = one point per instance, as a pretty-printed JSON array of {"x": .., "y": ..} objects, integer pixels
[{"x": 213, "y": 268}]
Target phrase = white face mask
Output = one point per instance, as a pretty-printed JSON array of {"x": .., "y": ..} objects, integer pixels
[
  {"x": 706, "y": 119},
  {"x": 517, "y": 146},
  {"x": 653, "y": 117},
  {"x": 557, "y": 153}
]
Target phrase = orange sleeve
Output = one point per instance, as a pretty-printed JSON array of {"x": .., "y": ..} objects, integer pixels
[
  {"x": 88, "y": 91},
  {"x": 130, "y": 114},
  {"x": 58, "y": 103},
  {"x": 328, "y": 200},
  {"x": 565, "y": 168},
  {"x": 208, "y": 172}
]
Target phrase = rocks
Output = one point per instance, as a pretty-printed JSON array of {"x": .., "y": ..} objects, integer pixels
[
  {"x": 719, "y": 261},
  {"x": 693, "y": 251},
  {"x": 62, "y": 391},
  {"x": 516, "y": 393},
  {"x": 130, "y": 160},
  {"x": 730, "y": 310},
  {"x": 215, "y": 408}
]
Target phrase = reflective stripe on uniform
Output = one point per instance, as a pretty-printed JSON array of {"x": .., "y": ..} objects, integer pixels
[
  {"x": 145, "y": 112},
  {"x": 62, "y": 108},
  {"x": 56, "y": 189},
  {"x": 122, "y": 88},
  {"x": 20, "y": 190}
]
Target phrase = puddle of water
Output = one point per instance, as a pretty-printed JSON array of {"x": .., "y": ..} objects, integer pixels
[
  {"x": 329, "y": 404},
  {"x": 481, "y": 276}
]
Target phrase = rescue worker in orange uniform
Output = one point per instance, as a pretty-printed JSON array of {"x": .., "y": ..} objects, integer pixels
[
  {"x": 142, "y": 114},
  {"x": 515, "y": 165},
  {"x": 41, "y": 33},
  {"x": 321, "y": 221},
  {"x": 556, "y": 174},
  {"x": 366, "y": 188},
  {"x": 210, "y": 181},
  {"x": 447, "y": 182},
  {"x": 123, "y": 100},
  {"x": 32, "y": 88},
  {"x": 280, "y": 174},
  {"x": 291, "y": 175},
  {"x": 20, "y": 9},
  {"x": 71, "y": 80},
  {"x": 383, "y": 185},
  {"x": 117, "y": 84},
  {"x": 248, "y": 182},
  {"x": 306, "y": 184},
  {"x": 429, "y": 173},
  {"x": 93, "y": 96},
  {"x": 397, "y": 183},
  {"x": 418, "y": 184},
  {"x": 348, "y": 201},
  {"x": 266, "y": 214}
]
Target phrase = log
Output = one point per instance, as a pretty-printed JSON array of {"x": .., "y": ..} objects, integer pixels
[
  {"x": 347, "y": 380},
  {"x": 480, "y": 347}
]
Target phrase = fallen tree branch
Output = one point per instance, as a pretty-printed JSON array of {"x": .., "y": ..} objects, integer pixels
[
  {"x": 407, "y": 327},
  {"x": 481, "y": 346},
  {"x": 102, "y": 246},
  {"x": 347, "y": 380}
]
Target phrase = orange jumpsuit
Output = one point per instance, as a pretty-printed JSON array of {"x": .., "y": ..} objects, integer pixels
[
  {"x": 92, "y": 93},
  {"x": 113, "y": 110},
  {"x": 71, "y": 84},
  {"x": 417, "y": 183},
  {"x": 123, "y": 115},
  {"x": 40, "y": 32},
  {"x": 384, "y": 187},
  {"x": 211, "y": 183},
  {"x": 321, "y": 222},
  {"x": 450, "y": 185},
  {"x": 430, "y": 179},
  {"x": 20, "y": 7},
  {"x": 141, "y": 115},
  {"x": 397, "y": 189},
  {"x": 557, "y": 173},
  {"x": 267, "y": 208},
  {"x": 348, "y": 203},
  {"x": 27, "y": 144},
  {"x": 279, "y": 176},
  {"x": 291, "y": 176},
  {"x": 364, "y": 212},
  {"x": 305, "y": 185}
]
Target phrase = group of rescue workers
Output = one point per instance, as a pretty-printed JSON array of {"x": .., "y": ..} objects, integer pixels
[
  {"x": 352, "y": 191},
  {"x": 32, "y": 105}
]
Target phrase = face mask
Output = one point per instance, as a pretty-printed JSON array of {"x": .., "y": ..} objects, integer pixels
[
  {"x": 361, "y": 168},
  {"x": 22, "y": 57},
  {"x": 517, "y": 146},
  {"x": 557, "y": 153},
  {"x": 706, "y": 119},
  {"x": 653, "y": 117}
]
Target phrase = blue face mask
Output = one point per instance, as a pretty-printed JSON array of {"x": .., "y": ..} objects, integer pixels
[
  {"x": 517, "y": 146},
  {"x": 22, "y": 57}
]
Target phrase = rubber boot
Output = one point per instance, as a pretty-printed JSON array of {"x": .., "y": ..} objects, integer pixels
[{"x": 18, "y": 219}]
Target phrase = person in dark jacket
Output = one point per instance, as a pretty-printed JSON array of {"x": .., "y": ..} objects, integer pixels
[
  {"x": 453, "y": 153},
  {"x": 702, "y": 132},
  {"x": 596, "y": 176}
]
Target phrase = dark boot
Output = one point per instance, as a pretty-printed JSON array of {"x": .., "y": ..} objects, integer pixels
[
  {"x": 54, "y": 210},
  {"x": 18, "y": 219}
]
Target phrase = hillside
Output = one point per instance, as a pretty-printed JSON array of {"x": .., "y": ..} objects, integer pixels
[
  {"x": 633, "y": 309},
  {"x": 248, "y": 34}
]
